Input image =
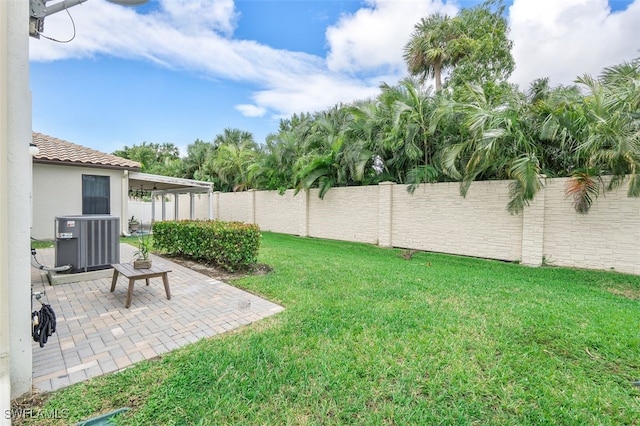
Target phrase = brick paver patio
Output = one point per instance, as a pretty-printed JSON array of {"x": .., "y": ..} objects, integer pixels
[{"x": 97, "y": 335}]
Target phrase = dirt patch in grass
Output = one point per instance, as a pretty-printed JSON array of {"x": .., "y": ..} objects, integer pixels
[
  {"x": 629, "y": 293},
  {"x": 24, "y": 407}
]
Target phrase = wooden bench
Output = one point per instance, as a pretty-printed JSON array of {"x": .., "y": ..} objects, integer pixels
[{"x": 128, "y": 271}]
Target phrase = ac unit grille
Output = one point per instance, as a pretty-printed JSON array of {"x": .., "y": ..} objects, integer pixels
[{"x": 87, "y": 242}]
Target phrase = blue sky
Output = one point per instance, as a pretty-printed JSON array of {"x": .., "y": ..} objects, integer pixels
[{"x": 178, "y": 70}]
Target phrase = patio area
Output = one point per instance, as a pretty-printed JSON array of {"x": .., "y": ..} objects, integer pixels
[{"x": 96, "y": 334}]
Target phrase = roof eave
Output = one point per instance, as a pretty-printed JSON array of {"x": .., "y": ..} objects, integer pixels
[{"x": 81, "y": 164}]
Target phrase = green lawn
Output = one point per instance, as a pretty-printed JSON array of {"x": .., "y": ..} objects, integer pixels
[{"x": 369, "y": 337}]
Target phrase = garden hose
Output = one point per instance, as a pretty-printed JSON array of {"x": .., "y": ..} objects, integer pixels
[{"x": 44, "y": 324}]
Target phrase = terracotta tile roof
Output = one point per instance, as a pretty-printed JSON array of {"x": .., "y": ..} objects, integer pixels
[{"x": 54, "y": 150}]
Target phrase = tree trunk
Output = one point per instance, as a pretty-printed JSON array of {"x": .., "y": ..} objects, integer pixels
[{"x": 437, "y": 74}]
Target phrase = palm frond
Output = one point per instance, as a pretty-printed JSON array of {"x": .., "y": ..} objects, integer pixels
[
  {"x": 449, "y": 158},
  {"x": 634, "y": 186},
  {"x": 421, "y": 174},
  {"x": 325, "y": 184},
  {"x": 525, "y": 171},
  {"x": 583, "y": 187}
]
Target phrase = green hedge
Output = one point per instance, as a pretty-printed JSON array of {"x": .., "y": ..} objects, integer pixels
[{"x": 230, "y": 245}]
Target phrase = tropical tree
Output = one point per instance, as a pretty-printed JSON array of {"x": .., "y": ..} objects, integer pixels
[
  {"x": 235, "y": 137},
  {"x": 482, "y": 47},
  {"x": 473, "y": 45},
  {"x": 331, "y": 157},
  {"x": 370, "y": 129},
  {"x": 197, "y": 155},
  {"x": 430, "y": 49},
  {"x": 556, "y": 114},
  {"x": 153, "y": 157},
  {"x": 499, "y": 143},
  {"x": 231, "y": 165},
  {"x": 608, "y": 132},
  {"x": 274, "y": 167},
  {"x": 412, "y": 109}
]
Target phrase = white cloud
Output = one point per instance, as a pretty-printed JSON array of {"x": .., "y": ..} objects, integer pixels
[
  {"x": 560, "y": 39},
  {"x": 565, "y": 39},
  {"x": 290, "y": 81},
  {"x": 197, "y": 15},
  {"x": 313, "y": 93},
  {"x": 249, "y": 110},
  {"x": 375, "y": 36}
]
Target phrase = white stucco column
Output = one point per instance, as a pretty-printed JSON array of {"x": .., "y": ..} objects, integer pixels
[
  {"x": 192, "y": 206},
  {"x": 5, "y": 381},
  {"x": 15, "y": 183},
  {"x": 124, "y": 209},
  {"x": 153, "y": 208},
  {"x": 176, "y": 207}
]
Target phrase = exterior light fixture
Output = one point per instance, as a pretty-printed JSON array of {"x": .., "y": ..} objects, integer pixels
[
  {"x": 38, "y": 10},
  {"x": 33, "y": 149}
]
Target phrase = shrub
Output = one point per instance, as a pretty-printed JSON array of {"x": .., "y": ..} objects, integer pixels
[{"x": 229, "y": 245}]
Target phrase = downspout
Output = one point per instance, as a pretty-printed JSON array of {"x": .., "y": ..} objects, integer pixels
[{"x": 124, "y": 205}]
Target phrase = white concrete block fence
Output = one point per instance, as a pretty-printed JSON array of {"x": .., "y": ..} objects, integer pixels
[{"x": 436, "y": 218}]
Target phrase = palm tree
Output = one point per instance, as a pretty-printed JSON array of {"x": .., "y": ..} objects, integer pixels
[
  {"x": 429, "y": 51},
  {"x": 274, "y": 168},
  {"x": 197, "y": 154},
  {"x": 412, "y": 110},
  {"x": 473, "y": 44},
  {"x": 231, "y": 164},
  {"x": 235, "y": 137},
  {"x": 609, "y": 131},
  {"x": 331, "y": 157},
  {"x": 370, "y": 130},
  {"x": 499, "y": 143}
]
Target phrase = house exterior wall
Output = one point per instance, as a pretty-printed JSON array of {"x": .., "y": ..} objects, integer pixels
[
  {"x": 57, "y": 191},
  {"x": 436, "y": 218}
]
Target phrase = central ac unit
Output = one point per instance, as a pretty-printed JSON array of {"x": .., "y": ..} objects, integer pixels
[{"x": 87, "y": 242}]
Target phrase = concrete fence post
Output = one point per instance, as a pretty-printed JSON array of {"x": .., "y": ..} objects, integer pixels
[
  {"x": 216, "y": 205},
  {"x": 252, "y": 206},
  {"x": 304, "y": 217},
  {"x": 533, "y": 231},
  {"x": 385, "y": 217}
]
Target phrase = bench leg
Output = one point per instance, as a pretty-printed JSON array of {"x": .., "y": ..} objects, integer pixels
[
  {"x": 129, "y": 293},
  {"x": 147, "y": 280},
  {"x": 165, "y": 280},
  {"x": 114, "y": 280}
]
